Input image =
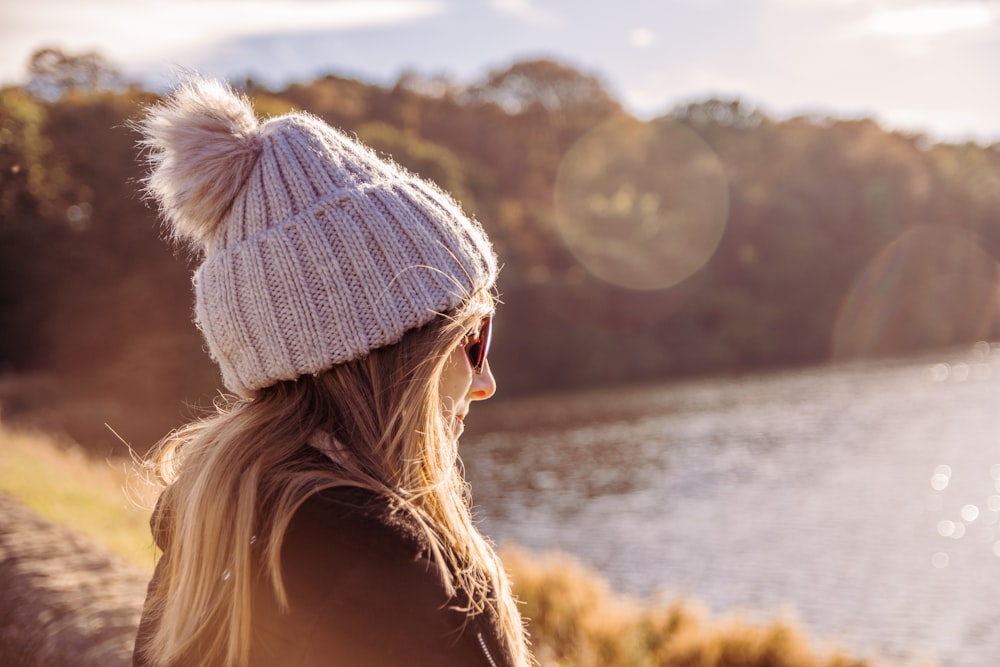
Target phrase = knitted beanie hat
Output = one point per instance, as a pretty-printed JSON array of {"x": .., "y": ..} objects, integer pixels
[{"x": 316, "y": 250}]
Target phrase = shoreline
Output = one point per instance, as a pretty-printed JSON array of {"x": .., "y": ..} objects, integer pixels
[{"x": 575, "y": 619}]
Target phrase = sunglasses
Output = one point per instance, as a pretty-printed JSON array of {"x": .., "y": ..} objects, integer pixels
[{"x": 477, "y": 344}]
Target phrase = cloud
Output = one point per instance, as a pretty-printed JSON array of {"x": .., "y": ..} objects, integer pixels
[
  {"x": 641, "y": 38},
  {"x": 952, "y": 123},
  {"x": 927, "y": 20},
  {"x": 524, "y": 10},
  {"x": 813, "y": 3},
  {"x": 144, "y": 31}
]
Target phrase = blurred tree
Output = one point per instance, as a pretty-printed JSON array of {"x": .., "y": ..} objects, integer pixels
[
  {"x": 341, "y": 102},
  {"x": 718, "y": 112},
  {"x": 546, "y": 84},
  {"x": 425, "y": 158},
  {"x": 89, "y": 291},
  {"x": 552, "y": 104},
  {"x": 29, "y": 176},
  {"x": 54, "y": 73},
  {"x": 33, "y": 186}
]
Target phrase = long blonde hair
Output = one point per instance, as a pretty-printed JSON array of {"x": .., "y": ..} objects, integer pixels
[{"x": 234, "y": 480}]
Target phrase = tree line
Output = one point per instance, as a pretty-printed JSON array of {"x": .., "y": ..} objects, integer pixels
[{"x": 712, "y": 239}]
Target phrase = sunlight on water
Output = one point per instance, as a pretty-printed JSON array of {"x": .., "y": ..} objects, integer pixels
[
  {"x": 867, "y": 499},
  {"x": 946, "y": 528},
  {"x": 960, "y": 372},
  {"x": 938, "y": 372},
  {"x": 941, "y": 477},
  {"x": 641, "y": 205}
]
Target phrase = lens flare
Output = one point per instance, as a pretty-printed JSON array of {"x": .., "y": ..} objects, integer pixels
[
  {"x": 938, "y": 372},
  {"x": 969, "y": 513},
  {"x": 931, "y": 287},
  {"x": 939, "y": 481},
  {"x": 641, "y": 205}
]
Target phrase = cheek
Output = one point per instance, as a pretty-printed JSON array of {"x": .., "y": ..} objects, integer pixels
[{"x": 456, "y": 378}]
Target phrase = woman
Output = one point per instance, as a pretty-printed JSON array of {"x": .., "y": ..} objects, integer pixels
[{"x": 322, "y": 518}]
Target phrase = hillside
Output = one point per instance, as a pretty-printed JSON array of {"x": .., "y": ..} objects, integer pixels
[{"x": 713, "y": 239}]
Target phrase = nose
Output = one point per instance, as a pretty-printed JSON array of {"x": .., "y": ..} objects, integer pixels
[{"x": 483, "y": 385}]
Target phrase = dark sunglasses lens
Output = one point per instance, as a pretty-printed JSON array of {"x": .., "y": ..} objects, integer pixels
[{"x": 477, "y": 350}]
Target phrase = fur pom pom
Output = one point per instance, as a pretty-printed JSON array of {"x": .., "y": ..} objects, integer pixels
[{"x": 202, "y": 143}]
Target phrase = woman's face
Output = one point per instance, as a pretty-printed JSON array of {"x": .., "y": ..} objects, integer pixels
[{"x": 461, "y": 385}]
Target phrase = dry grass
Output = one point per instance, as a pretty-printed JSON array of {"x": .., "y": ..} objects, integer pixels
[
  {"x": 575, "y": 620},
  {"x": 102, "y": 499}
]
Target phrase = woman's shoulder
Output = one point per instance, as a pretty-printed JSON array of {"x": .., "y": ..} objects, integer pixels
[
  {"x": 361, "y": 584},
  {"x": 356, "y": 520},
  {"x": 349, "y": 547}
]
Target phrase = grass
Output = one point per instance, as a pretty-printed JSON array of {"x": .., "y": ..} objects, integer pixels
[
  {"x": 104, "y": 500},
  {"x": 575, "y": 620}
]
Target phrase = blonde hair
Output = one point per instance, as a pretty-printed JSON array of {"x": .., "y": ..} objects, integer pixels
[{"x": 234, "y": 480}]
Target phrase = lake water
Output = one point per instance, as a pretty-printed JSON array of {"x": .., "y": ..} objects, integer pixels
[{"x": 863, "y": 499}]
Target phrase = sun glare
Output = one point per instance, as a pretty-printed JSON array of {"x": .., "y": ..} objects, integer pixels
[
  {"x": 928, "y": 20},
  {"x": 641, "y": 205},
  {"x": 641, "y": 38},
  {"x": 123, "y": 31}
]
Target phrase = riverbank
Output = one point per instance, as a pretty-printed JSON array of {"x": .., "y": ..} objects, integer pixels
[{"x": 575, "y": 619}]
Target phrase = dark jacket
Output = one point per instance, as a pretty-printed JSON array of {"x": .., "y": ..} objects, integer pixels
[{"x": 362, "y": 592}]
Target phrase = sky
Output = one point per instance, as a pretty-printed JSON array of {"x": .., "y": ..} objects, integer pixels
[{"x": 927, "y": 66}]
